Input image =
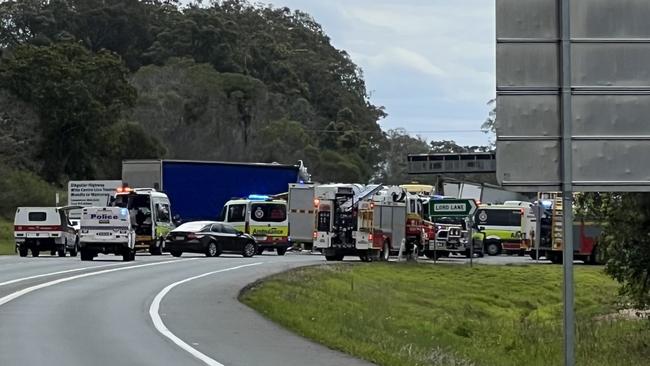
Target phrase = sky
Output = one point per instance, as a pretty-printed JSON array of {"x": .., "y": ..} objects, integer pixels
[{"x": 430, "y": 63}]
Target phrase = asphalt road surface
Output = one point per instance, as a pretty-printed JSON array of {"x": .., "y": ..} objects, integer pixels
[{"x": 154, "y": 311}]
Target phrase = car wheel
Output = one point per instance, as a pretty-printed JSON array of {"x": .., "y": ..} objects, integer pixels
[
  {"x": 61, "y": 251},
  {"x": 75, "y": 250},
  {"x": 493, "y": 247},
  {"x": 281, "y": 250},
  {"x": 176, "y": 253},
  {"x": 212, "y": 250},
  {"x": 249, "y": 249}
]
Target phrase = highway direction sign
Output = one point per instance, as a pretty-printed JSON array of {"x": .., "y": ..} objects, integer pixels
[{"x": 453, "y": 208}]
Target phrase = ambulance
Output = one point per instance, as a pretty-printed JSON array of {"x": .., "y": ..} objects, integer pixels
[
  {"x": 261, "y": 216},
  {"x": 106, "y": 230}
]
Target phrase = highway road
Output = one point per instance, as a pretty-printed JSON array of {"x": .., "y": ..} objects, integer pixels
[{"x": 154, "y": 311}]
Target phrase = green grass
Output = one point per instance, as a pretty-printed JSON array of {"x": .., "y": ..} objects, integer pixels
[
  {"x": 408, "y": 314},
  {"x": 6, "y": 237}
]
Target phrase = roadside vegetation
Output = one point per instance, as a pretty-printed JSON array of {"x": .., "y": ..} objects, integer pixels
[
  {"x": 402, "y": 314},
  {"x": 6, "y": 237}
]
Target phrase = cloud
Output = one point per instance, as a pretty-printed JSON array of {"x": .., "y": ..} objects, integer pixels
[
  {"x": 398, "y": 56},
  {"x": 431, "y": 63}
]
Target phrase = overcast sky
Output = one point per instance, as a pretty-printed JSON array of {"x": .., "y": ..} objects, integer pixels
[{"x": 429, "y": 62}]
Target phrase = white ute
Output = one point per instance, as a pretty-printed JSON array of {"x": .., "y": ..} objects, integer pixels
[
  {"x": 44, "y": 229},
  {"x": 106, "y": 230}
]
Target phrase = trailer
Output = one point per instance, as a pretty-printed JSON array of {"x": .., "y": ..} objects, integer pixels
[
  {"x": 199, "y": 189},
  {"x": 302, "y": 213}
]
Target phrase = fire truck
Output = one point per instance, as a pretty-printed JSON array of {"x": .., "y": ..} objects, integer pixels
[
  {"x": 419, "y": 231},
  {"x": 585, "y": 234},
  {"x": 370, "y": 224}
]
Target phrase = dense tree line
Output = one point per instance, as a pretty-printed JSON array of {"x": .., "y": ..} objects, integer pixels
[{"x": 228, "y": 81}]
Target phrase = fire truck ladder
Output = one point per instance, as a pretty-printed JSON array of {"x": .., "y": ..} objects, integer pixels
[{"x": 557, "y": 228}]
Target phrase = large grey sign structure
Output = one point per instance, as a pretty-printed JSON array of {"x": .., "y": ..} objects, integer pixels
[
  {"x": 608, "y": 60},
  {"x": 573, "y": 98}
]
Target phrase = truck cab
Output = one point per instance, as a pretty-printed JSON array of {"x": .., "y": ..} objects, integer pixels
[
  {"x": 262, "y": 217},
  {"x": 150, "y": 214}
]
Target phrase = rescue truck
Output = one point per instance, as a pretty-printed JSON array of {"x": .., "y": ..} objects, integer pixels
[
  {"x": 370, "y": 223},
  {"x": 150, "y": 215},
  {"x": 585, "y": 234}
]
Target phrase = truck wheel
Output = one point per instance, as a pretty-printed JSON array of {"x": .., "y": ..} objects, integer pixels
[
  {"x": 249, "y": 249},
  {"x": 259, "y": 250},
  {"x": 212, "y": 250},
  {"x": 281, "y": 250},
  {"x": 176, "y": 253},
  {"x": 36, "y": 252},
  {"x": 53, "y": 252},
  {"x": 61, "y": 251},
  {"x": 86, "y": 255},
  {"x": 385, "y": 252},
  {"x": 555, "y": 257},
  {"x": 365, "y": 257},
  {"x": 468, "y": 253},
  {"x": 156, "y": 247},
  {"x": 330, "y": 258},
  {"x": 493, "y": 247},
  {"x": 533, "y": 254},
  {"x": 22, "y": 251}
]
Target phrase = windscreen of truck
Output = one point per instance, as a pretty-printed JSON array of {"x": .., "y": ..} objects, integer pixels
[
  {"x": 268, "y": 212},
  {"x": 37, "y": 216}
]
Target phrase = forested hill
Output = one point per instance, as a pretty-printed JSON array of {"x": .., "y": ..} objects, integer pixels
[{"x": 106, "y": 80}]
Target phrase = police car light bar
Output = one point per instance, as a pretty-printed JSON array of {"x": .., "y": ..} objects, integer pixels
[{"x": 258, "y": 197}]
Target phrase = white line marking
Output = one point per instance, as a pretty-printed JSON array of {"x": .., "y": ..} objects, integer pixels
[
  {"x": 56, "y": 273},
  {"x": 27, "y": 290},
  {"x": 160, "y": 326}
]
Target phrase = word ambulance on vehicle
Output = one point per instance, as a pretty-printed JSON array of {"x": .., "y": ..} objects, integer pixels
[
  {"x": 106, "y": 230},
  {"x": 262, "y": 217},
  {"x": 150, "y": 214},
  {"x": 48, "y": 229}
]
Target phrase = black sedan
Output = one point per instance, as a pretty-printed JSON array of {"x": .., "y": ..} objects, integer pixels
[{"x": 209, "y": 237}]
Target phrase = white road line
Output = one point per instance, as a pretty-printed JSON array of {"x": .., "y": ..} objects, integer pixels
[
  {"x": 56, "y": 273},
  {"x": 27, "y": 290},
  {"x": 160, "y": 326}
]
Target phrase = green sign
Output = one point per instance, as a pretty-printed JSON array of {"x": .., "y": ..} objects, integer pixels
[{"x": 452, "y": 208}]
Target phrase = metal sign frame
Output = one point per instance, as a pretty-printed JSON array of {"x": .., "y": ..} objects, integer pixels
[{"x": 468, "y": 211}]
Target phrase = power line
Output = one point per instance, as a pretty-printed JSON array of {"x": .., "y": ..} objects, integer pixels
[{"x": 407, "y": 131}]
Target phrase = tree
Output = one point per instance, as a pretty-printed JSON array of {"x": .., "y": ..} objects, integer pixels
[
  {"x": 625, "y": 241},
  {"x": 399, "y": 145},
  {"x": 76, "y": 94}
]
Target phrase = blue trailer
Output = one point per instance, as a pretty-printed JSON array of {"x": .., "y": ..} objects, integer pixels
[{"x": 198, "y": 189}]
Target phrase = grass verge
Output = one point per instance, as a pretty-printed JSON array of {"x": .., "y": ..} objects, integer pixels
[
  {"x": 408, "y": 314},
  {"x": 6, "y": 237}
]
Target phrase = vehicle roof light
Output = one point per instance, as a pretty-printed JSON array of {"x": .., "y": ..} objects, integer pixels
[{"x": 258, "y": 197}]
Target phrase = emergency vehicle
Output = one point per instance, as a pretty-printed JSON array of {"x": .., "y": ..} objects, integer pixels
[
  {"x": 585, "y": 235},
  {"x": 370, "y": 223},
  {"x": 106, "y": 230},
  {"x": 38, "y": 229},
  {"x": 262, "y": 217},
  {"x": 419, "y": 230},
  {"x": 150, "y": 214},
  {"x": 502, "y": 225}
]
